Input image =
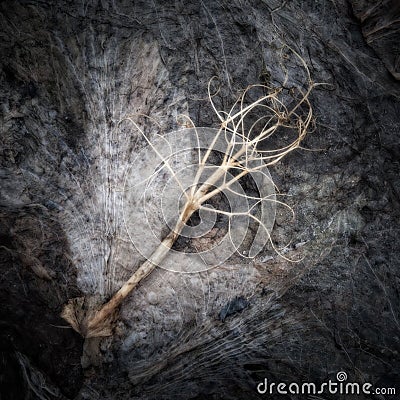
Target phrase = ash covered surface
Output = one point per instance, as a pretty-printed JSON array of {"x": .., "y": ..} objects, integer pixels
[{"x": 70, "y": 71}]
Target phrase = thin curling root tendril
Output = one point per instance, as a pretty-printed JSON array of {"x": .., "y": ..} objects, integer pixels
[{"x": 248, "y": 130}]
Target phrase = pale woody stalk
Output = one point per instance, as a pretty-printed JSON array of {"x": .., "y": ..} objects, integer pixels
[{"x": 97, "y": 323}]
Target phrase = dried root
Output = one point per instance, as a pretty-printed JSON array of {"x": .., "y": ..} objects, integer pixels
[{"x": 248, "y": 129}]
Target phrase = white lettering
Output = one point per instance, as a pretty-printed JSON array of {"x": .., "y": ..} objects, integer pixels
[
  {"x": 296, "y": 386},
  {"x": 281, "y": 387},
  {"x": 260, "y": 389},
  {"x": 321, "y": 390},
  {"x": 311, "y": 388},
  {"x": 331, "y": 389},
  {"x": 355, "y": 388},
  {"x": 366, "y": 388}
]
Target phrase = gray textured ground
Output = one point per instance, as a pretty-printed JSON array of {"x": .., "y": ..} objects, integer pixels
[{"x": 70, "y": 71}]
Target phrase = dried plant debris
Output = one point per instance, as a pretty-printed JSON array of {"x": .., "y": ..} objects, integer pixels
[{"x": 245, "y": 135}]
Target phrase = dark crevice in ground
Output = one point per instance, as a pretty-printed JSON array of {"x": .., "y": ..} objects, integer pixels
[{"x": 38, "y": 350}]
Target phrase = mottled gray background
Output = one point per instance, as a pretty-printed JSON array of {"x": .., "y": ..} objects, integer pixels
[{"x": 70, "y": 71}]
